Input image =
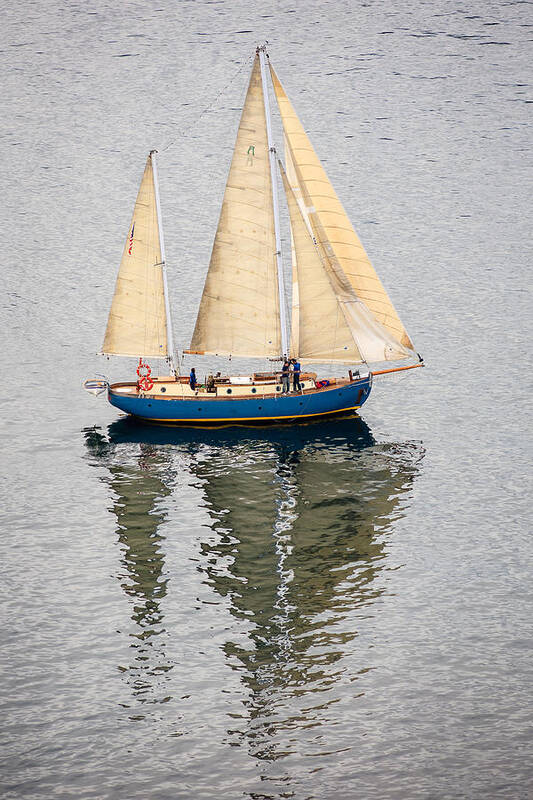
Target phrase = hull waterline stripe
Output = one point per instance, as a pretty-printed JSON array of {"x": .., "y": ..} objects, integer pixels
[{"x": 244, "y": 419}]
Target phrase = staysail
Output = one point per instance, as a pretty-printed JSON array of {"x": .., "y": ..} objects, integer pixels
[
  {"x": 320, "y": 332},
  {"x": 137, "y": 320},
  {"x": 337, "y": 237},
  {"x": 239, "y": 310},
  {"x": 291, "y": 180}
]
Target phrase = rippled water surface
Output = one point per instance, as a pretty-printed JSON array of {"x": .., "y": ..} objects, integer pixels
[{"x": 334, "y": 610}]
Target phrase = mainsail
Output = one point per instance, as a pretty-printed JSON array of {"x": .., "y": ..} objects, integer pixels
[
  {"x": 239, "y": 310},
  {"x": 339, "y": 243},
  {"x": 137, "y": 320}
]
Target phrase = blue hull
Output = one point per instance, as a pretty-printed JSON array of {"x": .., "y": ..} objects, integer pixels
[{"x": 249, "y": 410}]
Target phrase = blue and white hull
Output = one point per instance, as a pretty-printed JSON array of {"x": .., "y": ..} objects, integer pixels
[{"x": 205, "y": 409}]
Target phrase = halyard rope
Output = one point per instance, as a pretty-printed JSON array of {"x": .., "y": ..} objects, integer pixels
[{"x": 190, "y": 128}]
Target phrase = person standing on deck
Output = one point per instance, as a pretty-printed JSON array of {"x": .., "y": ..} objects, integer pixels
[
  {"x": 285, "y": 377},
  {"x": 296, "y": 370},
  {"x": 192, "y": 379}
]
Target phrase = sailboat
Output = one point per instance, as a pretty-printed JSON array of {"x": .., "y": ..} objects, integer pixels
[{"x": 340, "y": 312}]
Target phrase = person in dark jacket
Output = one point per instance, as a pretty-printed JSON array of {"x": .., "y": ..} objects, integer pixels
[
  {"x": 296, "y": 370},
  {"x": 285, "y": 377},
  {"x": 192, "y": 379}
]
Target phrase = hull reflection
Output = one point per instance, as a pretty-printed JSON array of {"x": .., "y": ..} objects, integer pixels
[{"x": 353, "y": 428}]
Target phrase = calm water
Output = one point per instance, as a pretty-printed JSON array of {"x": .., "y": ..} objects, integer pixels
[{"x": 337, "y": 610}]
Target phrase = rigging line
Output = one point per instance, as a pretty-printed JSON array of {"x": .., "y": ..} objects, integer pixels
[
  {"x": 335, "y": 335},
  {"x": 182, "y": 133}
]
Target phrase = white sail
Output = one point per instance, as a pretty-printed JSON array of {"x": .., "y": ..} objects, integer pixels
[
  {"x": 239, "y": 310},
  {"x": 338, "y": 239},
  {"x": 321, "y": 332},
  {"x": 370, "y": 341},
  {"x": 137, "y": 319},
  {"x": 290, "y": 177}
]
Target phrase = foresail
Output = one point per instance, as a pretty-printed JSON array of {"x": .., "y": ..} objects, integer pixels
[
  {"x": 365, "y": 339},
  {"x": 239, "y": 310},
  {"x": 338, "y": 237},
  {"x": 137, "y": 319}
]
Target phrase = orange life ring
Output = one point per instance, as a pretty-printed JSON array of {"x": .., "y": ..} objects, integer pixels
[
  {"x": 146, "y": 383},
  {"x": 143, "y": 367}
]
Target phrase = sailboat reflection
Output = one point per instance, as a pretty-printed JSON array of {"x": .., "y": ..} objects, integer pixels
[
  {"x": 301, "y": 517},
  {"x": 139, "y": 478}
]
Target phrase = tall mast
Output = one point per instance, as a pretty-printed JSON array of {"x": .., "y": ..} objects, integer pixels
[
  {"x": 261, "y": 51},
  {"x": 170, "y": 334}
]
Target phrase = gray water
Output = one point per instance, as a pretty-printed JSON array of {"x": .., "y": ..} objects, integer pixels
[{"x": 337, "y": 610}]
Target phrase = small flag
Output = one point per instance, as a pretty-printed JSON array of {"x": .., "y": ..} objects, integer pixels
[{"x": 131, "y": 239}]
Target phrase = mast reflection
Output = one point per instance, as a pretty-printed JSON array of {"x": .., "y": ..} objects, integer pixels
[
  {"x": 302, "y": 516},
  {"x": 139, "y": 478}
]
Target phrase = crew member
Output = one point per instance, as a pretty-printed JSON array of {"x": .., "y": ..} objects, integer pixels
[
  {"x": 192, "y": 379},
  {"x": 296, "y": 370},
  {"x": 285, "y": 377}
]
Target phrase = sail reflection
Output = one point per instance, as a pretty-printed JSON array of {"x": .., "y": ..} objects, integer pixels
[
  {"x": 139, "y": 478},
  {"x": 301, "y": 517}
]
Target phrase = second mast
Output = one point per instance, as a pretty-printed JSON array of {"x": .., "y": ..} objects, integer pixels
[{"x": 261, "y": 51}]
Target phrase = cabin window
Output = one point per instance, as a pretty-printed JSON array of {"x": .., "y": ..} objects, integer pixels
[
  {"x": 163, "y": 388},
  {"x": 278, "y": 388},
  {"x": 254, "y": 390},
  {"x": 228, "y": 391}
]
